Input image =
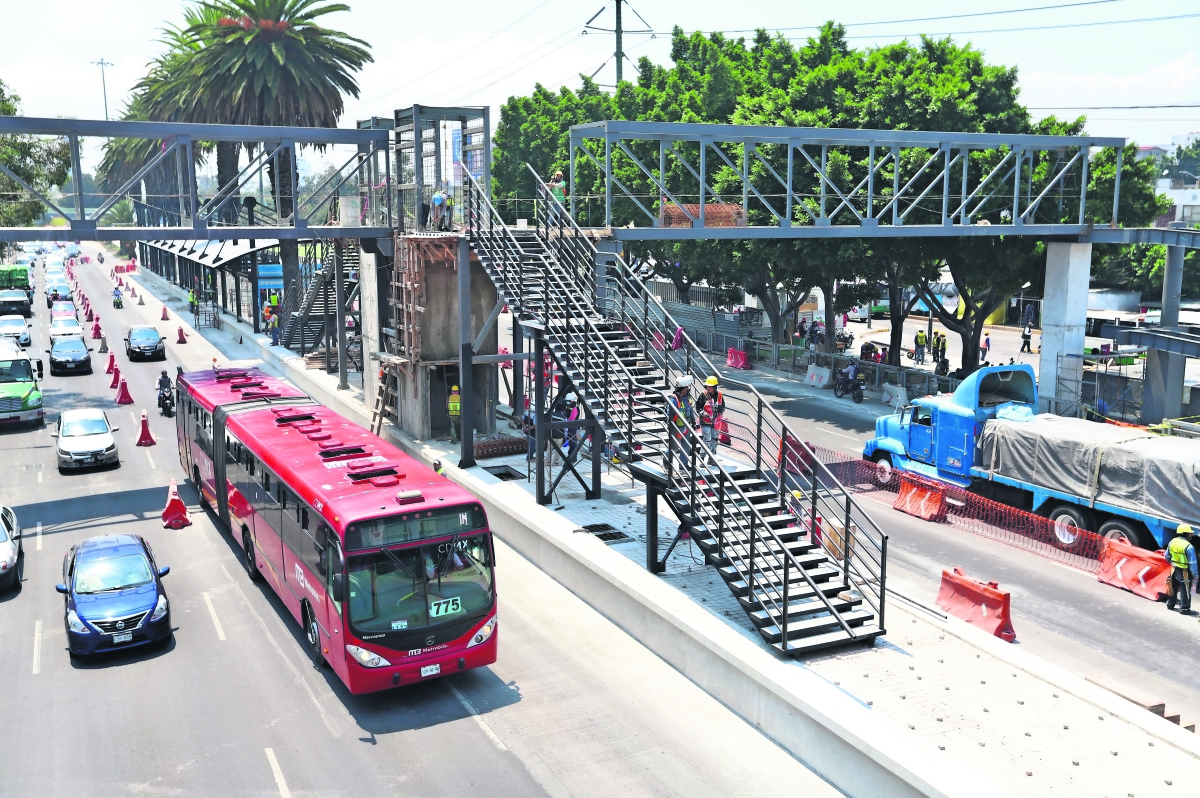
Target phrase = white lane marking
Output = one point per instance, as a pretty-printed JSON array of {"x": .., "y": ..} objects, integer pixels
[
  {"x": 39, "y": 476},
  {"x": 37, "y": 648},
  {"x": 39, "y": 536},
  {"x": 151, "y": 459},
  {"x": 132, "y": 417},
  {"x": 213, "y": 612},
  {"x": 839, "y": 434},
  {"x": 279, "y": 781},
  {"x": 462, "y": 699}
]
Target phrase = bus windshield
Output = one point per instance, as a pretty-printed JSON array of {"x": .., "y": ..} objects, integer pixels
[{"x": 407, "y": 589}]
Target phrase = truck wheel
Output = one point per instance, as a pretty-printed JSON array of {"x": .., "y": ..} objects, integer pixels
[
  {"x": 1068, "y": 521},
  {"x": 1125, "y": 531},
  {"x": 883, "y": 468}
]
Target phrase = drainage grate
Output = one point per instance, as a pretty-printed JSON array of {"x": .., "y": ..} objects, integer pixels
[
  {"x": 504, "y": 472},
  {"x": 607, "y": 533}
]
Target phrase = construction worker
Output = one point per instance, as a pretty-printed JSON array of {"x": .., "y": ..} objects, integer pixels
[
  {"x": 712, "y": 413},
  {"x": 438, "y": 468},
  {"x": 1181, "y": 555},
  {"x": 683, "y": 415},
  {"x": 558, "y": 187},
  {"x": 273, "y": 328},
  {"x": 920, "y": 341},
  {"x": 454, "y": 410},
  {"x": 192, "y": 300}
]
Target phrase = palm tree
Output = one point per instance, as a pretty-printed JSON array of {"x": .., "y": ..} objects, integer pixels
[{"x": 269, "y": 62}]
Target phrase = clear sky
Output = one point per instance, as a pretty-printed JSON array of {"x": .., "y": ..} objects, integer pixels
[{"x": 478, "y": 52}]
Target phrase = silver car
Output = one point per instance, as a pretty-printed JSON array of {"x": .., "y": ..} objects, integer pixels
[
  {"x": 15, "y": 327},
  {"x": 65, "y": 328},
  {"x": 12, "y": 555},
  {"x": 85, "y": 438}
]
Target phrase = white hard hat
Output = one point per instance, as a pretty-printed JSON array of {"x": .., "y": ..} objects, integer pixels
[{"x": 684, "y": 381}]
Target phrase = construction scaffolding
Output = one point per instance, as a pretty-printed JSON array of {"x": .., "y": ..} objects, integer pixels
[{"x": 432, "y": 146}]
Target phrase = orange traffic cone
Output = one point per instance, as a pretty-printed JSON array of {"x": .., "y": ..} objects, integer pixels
[
  {"x": 175, "y": 514},
  {"x": 123, "y": 397},
  {"x": 88, "y": 315},
  {"x": 95, "y": 329},
  {"x": 132, "y": 292},
  {"x": 164, "y": 315},
  {"x": 120, "y": 283},
  {"x": 145, "y": 439},
  {"x": 182, "y": 339},
  {"x": 112, "y": 363},
  {"x": 116, "y": 372}
]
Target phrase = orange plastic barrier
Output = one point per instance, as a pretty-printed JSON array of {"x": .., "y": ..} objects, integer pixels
[
  {"x": 175, "y": 514},
  {"x": 145, "y": 439},
  {"x": 123, "y": 397},
  {"x": 112, "y": 363},
  {"x": 1140, "y": 571},
  {"x": 736, "y": 359},
  {"x": 923, "y": 498},
  {"x": 981, "y": 604},
  {"x": 116, "y": 372},
  {"x": 95, "y": 330}
]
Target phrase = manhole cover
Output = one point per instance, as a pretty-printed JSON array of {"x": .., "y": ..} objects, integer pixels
[{"x": 606, "y": 532}]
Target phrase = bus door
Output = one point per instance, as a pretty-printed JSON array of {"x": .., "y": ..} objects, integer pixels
[
  {"x": 184, "y": 425},
  {"x": 267, "y": 522},
  {"x": 329, "y": 562}
]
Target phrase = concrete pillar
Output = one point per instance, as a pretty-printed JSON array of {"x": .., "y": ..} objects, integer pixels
[
  {"x": 1064, "y": 322},
  {"x": 466, "y": 380},
  {"x": 1162, "y": 393}
]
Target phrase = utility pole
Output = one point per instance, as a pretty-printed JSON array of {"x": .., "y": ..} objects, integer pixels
[
  {"x": 104, "y": 83},
  {"x": 620, "y": 53}
]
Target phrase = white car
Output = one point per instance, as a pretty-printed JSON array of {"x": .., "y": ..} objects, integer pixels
[
  {"x": 16, "y": 328},
  {"x": 12, "y": 554},
  {"x": 85, "y": 438},
  {"x": 65, "y": 327}
]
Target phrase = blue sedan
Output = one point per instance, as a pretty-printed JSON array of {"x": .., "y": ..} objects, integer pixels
[{"x": 114, "y": 595}]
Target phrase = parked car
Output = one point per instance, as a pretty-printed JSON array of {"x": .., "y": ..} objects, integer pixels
[
  {"x": 114, "y": 597},
  {"x": 68, "y": 327},
  {"x": 60, "y": 310},
  {"x": 15, "y": 301},
  {"x": 145, "y": 342},
  {"x": 15, "y": 327},
  {"x": 85, "y": 438},
  {"x": 12, "y": 553},
  {"x": 69, "y": 356}
]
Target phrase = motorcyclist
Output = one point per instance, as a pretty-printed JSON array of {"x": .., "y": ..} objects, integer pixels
[
  {"x": 847, "y": 375},
  {"x": 164, "y": 388}
]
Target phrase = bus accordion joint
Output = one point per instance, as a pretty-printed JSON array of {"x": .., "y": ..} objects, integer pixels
[{"x": 409, "y": 497}]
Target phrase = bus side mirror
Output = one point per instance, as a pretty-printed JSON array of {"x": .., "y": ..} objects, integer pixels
[
  {"x": 39, "y": 367},
  {"x": 337, "y": 590}
]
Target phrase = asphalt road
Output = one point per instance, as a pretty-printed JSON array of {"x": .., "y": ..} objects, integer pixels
[{"x": 232, "y": 706}]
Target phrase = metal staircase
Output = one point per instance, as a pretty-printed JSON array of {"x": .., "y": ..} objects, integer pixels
[
  {"x": 309, "y": 314},
  {"x": 805, "y": 561}
]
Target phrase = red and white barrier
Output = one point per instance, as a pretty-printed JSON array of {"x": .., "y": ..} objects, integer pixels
[
  {"x": 1141, "y": 572},
  {"x": 920, "y": 497},
  {"x": 123, "y": 397},
  {"x": 175, "y": 514},
  {"x": 981, "y": 604},
  {"x": 145, "y": 438}
]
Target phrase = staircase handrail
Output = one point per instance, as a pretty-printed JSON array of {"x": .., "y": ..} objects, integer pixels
[{"x": 789, "y": 442}]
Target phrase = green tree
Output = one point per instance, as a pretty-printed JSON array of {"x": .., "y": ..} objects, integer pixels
[{"x": 41, "y": 162}]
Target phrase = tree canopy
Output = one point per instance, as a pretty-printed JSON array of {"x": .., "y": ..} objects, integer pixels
[
  {"x": 932, "y": 84},
  {"x": 41, "y": 162}
]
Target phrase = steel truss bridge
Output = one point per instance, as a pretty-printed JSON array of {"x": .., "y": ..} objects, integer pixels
[{"x": 170, "y": 204}]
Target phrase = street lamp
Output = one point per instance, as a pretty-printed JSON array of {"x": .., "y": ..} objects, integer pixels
[{"x": 103, "y": 83}]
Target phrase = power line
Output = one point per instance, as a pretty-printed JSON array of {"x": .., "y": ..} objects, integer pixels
[
  {"x": 1106, "y": 107},
  {"x": 932, "y": 19},
  {"x": 1027, "y": 29}
]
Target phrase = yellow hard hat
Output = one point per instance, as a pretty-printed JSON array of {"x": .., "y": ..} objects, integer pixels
[
  {"x": 454, "y": 387},
  {"x": 1185, "y": 529},
  {"x": 798, "y": 494},
  {"x": 711, "y": 381}
]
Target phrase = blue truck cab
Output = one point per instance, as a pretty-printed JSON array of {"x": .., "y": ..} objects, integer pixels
[{"x": 935, "y": 435}]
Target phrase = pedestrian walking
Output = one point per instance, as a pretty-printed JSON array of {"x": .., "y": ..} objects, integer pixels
[
  {"x": 919, "y": 341},
  {"x": 1181, "y": 556},
  {"x": 454, "y": 411},
  {"x": 273, "y": 326},
  {"x": 1027, "y": 338},
  {"x": 985, "y": 346}
]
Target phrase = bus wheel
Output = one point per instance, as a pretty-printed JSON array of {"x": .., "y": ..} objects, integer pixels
[
  {"x": 248, "y": 557},
  {"x": 199, "y": 486},
  {"x": 1123, "y": 530},
  {"x": 312, "y": 633}
]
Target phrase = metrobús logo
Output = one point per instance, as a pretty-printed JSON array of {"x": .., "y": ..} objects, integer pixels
[
  {"x": 304, "y": 583},
  {"x": 418, "y": 651}
]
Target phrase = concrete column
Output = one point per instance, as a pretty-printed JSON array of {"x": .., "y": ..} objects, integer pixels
[
  {"x": 466, "y": 356},
  {"x": 1162, "y": 393},
  {"x": 1064, "y": 322}
]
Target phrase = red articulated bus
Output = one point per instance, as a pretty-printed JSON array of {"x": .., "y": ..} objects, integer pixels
[{"x": 387, "y": 566}]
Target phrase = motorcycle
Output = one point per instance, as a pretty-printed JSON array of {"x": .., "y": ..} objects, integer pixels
[
  {"x": 100, "y": 258},
  {"x": 853, "y": 387},
  {"x": 166, "y": 402},
  {"x": 118, "y": 302}
]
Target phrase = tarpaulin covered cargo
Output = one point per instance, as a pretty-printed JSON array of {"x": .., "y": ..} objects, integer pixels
[
  {"x": 14, "y": 276},
  {"x": 1121, "y": 466}
]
